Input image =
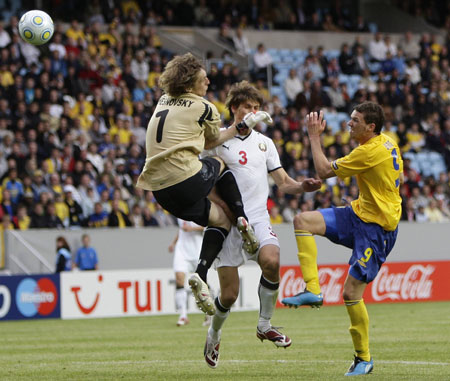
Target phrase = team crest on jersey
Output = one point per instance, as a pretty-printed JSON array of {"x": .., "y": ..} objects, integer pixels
[{"x": 262, "y": 147}]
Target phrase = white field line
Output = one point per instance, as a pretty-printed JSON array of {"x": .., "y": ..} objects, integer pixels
[{"x": 137, "y": 362}]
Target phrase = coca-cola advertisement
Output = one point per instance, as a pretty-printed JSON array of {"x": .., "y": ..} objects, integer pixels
[{"x": 396, "y": 282}]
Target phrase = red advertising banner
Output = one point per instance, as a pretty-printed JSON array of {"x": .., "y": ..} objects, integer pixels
[{"x": 396, "y": 282}]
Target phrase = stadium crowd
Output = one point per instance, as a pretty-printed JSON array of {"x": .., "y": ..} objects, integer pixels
[{"x": 73, "y": 114}]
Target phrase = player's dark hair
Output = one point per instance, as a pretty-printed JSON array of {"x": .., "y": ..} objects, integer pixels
[
  {"x": 372, "y": 113},
  {"x": 241, "y": 92},
  {"x": 180, "y": 74}
]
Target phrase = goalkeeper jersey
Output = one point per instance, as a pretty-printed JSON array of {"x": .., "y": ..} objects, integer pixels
[
  {"x": 175, "y": 137},
  {"x": 377, "y": 165}
]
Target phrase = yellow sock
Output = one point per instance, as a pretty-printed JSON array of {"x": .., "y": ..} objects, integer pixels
[
  {"x": 359, "y": 327},
  {"x": 307, "y": 256}
]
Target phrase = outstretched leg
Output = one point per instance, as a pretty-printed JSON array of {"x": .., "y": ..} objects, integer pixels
[{"x": 306, "y": 225}]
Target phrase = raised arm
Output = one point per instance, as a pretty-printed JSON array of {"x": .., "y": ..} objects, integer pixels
[
  {"x": 316, "y": 125},
  {"x": 249, "y": 122}
]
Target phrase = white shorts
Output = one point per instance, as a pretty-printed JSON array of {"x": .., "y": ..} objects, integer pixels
[
  {"x": 233, "y": 255},
  {"x": 181, "y": 264}
]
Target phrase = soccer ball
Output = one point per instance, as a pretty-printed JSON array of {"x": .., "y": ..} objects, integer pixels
[{"x": 36, "y": 27}]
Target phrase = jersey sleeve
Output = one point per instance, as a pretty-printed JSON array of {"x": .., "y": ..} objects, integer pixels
[
  {"x": 210, "y": 120},
  {"x": 355, "y": 162},
  {"x": 273, "y": 159}
]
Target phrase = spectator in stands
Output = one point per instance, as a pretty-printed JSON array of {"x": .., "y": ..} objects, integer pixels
[
  {"x": 413, "y": 72},
  {"x": 329, "y": 25},
  {"x": 346, "y": 60},
  {"x": 52, "y": 221},
  {"x": 377, "y": 48},
  {"x": 409, "y": 46},
  {"x": 99, "y": 218},
  {"x": 117, "y": 218},
  {"x": 262, "y": 60},
  {"x": 86, "y": 256},
  {"x": 63, "y": 255},
  {"x": 136, "y": 217},
  {"x": 75, "y": 211},
  {"x": 292, "y": 86},
  {"x": 240, "y": 42},
  {"x": 433, "y": 213}
]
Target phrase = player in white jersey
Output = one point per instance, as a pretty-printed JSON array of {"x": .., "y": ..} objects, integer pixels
[
  {"x": 186, "y": 247},
  {"x": 251, "y": 156},
  {"x": 182, "y": 125}
]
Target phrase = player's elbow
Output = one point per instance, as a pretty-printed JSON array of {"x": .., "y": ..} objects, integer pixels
[
  {"x": 324, "y": 173},
  {"x": 210, "y": 144}
]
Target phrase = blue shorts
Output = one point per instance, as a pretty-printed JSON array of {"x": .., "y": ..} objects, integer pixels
[{"x": 371, "y": 244}]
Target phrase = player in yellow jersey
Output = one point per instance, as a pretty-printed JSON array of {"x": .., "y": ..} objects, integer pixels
[
  {"x": 181, "y": 127},
  {"x": 368, "y": 226}
]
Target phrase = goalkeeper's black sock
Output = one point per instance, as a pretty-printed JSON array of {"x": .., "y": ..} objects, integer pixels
[
  {"x": 211, "y": 246},
  {"x": 229, "y": 192}
]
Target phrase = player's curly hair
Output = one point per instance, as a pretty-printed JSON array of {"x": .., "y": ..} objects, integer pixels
[
  {"x": 372, "y": 113},
  {"x": 241, "y": 92},
  {"x": 180, "y": 74}
]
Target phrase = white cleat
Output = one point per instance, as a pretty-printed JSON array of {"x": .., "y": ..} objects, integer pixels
[
  {"x": 201, "y": 294},
  {"x": 182, "y": 321},
  {"x": 251, "y": 243},
  {"x": 211, "y": 351}
]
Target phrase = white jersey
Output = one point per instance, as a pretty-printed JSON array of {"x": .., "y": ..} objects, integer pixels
[
  {"x": 188, "y": 244},
  {"x": 244, "y": 156}
]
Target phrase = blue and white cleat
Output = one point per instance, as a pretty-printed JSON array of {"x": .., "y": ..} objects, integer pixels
[
  {"x": 360, "y": 367},
  {"x": 305, "y": 298}
]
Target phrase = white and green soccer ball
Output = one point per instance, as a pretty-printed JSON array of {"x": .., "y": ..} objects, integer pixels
[{"x": 36, "y": 27}]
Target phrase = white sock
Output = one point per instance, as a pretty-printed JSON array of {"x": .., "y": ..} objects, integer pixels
[
  {"x": 217, "y": 321},
  {"x": 181, "y": 301},
  {"x": 267, "y": 301}
]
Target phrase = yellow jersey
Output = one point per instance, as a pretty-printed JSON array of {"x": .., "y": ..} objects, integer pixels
[
  {"x": 377, "y": 165},
  {"x": 175, "y": 137}
]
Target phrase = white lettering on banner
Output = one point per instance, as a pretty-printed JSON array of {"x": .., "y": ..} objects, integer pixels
[
  {"x": 37, "y": 297},
  {"x": 329, "y": 282},
  {"x": 290, "y": 285},
  {"x": 413, "y": 284},
  {"x": 4, "y": 309}
]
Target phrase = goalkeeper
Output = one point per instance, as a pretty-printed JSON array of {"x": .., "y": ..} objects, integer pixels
[{"x": 181, "y": 127}]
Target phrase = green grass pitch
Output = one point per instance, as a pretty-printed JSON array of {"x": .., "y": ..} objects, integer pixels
[{"x": 409, "y": 341}]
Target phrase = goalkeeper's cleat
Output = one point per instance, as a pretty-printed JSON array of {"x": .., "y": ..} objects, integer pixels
[
  {"x": 305, "y": 298},
  {"x": 201, "y": 294},
  {"x": 183, "y": 320},
  {"x": 211, "y": 351},
  {"x": 360, "y": 367},
  {"x": 275, "y": 336},
  {"x": 251, "y": 243}
]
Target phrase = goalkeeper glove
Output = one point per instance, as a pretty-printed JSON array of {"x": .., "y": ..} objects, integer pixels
[{"x": 252, "y": 119}]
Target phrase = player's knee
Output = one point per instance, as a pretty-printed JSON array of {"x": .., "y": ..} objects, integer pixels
[
  {"x": 300, "y": 221},
  {"x": 228, "y": 298},
  {"x": 349, "y": 294},
  {"x": 271, "y": 267}
]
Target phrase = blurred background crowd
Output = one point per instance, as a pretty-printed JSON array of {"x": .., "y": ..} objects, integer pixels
[{"x": 73, "y": 113}]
